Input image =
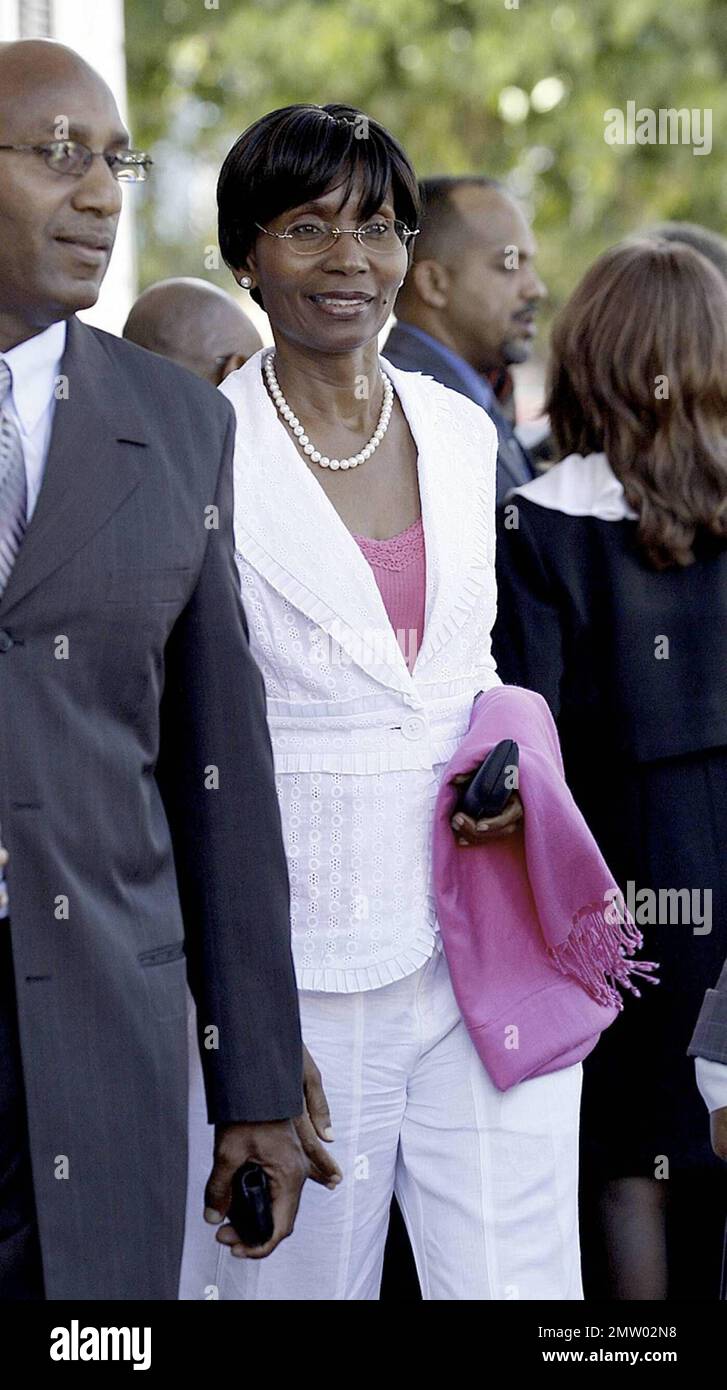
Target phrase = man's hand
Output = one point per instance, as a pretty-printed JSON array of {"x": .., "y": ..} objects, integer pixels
[
  {"x": 315, "y": 1124},
  {"x": 288, "y": 1150},
  {"x": 718, "y": 1132},
  {"x": 276, "y": 1147},
  {"x": 481, "y": 832}
]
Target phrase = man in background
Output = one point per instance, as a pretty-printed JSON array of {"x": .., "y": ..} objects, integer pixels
[
  {"x": 195, "y": 324},
  {"x": 467, "y": 309}
]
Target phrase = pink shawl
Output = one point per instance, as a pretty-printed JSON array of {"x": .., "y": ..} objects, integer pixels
[{"x": 534, "y": 929}]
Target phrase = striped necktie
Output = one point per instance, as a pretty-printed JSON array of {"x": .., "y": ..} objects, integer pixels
[{"x": 13, "y": 487}]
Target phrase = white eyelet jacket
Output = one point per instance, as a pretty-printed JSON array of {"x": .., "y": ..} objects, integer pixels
[{"x": 359, "y": 741}]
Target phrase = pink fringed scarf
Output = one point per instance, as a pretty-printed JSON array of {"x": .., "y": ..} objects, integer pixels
[{"x": 535, "y": 931}]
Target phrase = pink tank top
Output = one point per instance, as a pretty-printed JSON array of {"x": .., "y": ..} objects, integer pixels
[{"x": 399, "y": 568}]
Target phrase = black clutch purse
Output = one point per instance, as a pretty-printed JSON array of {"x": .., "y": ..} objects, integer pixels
[
  {"x": 250, "y": 1211},
  {"x": 492, "y": 783}
]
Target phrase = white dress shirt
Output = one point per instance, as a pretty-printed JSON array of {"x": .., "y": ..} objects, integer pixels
[
  {"x": 712, "y": 1082},
  {"x": 35, "y": 366}
]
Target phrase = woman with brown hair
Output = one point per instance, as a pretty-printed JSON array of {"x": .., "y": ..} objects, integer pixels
[{"x": 612, "y": 598}]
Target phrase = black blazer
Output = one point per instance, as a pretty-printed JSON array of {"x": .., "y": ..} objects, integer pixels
[
  {"x": 579, "y": 618},
  {"x": 133, "y": 738},
  {"x": 632, "y": 663}
]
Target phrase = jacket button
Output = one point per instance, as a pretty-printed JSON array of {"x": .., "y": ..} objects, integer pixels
[
  {"x": 6, "y": 641},
  {"x": 414, "y": 726}
]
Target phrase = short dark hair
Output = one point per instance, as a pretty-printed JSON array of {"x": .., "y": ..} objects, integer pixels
[
  {"x": 294, "y": 154},
  {"x": 441, "y": 220},
  {"x": 702, "y": 239}
]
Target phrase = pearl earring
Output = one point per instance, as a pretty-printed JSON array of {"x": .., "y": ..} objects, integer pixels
[{"x": 246, "y": 281}]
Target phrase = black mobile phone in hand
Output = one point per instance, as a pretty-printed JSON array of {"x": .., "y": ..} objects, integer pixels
[
  {"x": 251, "y": 1211},
  {"x": 493, "y": 782}
]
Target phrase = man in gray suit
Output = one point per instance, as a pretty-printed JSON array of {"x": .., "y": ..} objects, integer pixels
[
  {"x": 467, "y": 308},
  {"x": 137, "y": 797}
]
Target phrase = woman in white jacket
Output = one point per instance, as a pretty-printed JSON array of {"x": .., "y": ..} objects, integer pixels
[{"x": 365, "y": 511}]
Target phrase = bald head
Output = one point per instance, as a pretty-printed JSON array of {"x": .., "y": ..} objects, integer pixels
[
  {"x": 195, "y": 324},
  {"x": 28, "y": 64},
  {"x": 56, "y": 230}
]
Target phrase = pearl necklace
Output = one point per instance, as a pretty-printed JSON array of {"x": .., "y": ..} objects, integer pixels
[{"x": 298, "y": 430}]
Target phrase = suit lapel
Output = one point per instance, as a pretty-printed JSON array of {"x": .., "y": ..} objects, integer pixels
[
  {"x": 512, "y": 459},
  {"x": 513, "y": 463},
  {"x": 287, "y": 528},
  {"x": 90, "y": 468},
  {"x": 289, "y": 531},
  {"x": 424, "y": 357}
]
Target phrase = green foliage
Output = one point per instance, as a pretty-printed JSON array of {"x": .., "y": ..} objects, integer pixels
[{"x": 434, "y": 72}]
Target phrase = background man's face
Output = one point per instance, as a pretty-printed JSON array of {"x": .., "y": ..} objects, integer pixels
[
  {"x": 494, "y": 294},
  {"x": 56, "y": 232}
]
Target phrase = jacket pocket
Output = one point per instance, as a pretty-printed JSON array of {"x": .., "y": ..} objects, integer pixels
[{"x": 165, "y": 979}]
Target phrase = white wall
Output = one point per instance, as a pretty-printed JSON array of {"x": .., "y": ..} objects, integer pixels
[
  {"x": 95, "y": 28},
  {"x": 9, "y": 19}
]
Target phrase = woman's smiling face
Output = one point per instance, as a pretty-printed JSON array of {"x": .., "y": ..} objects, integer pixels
[{"x": 335, "y": 300}]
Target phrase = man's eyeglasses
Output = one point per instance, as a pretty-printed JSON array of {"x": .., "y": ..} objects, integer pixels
[
  {"x": 68, "y": 157},
  {"x": 310, "y": 235}
]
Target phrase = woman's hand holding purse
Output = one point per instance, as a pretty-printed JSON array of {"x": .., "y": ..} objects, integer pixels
[{"x": 489, "y": 810}]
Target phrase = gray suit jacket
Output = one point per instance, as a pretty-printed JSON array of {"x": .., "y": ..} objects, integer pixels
[
  {"x": 408, "y": 351},
  {"x": 133, "y": 738},
  {"x": 709, "y": 1038}
]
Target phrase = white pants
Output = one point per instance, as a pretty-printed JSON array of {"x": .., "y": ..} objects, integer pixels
[{"x": 487, "y": 1181}]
